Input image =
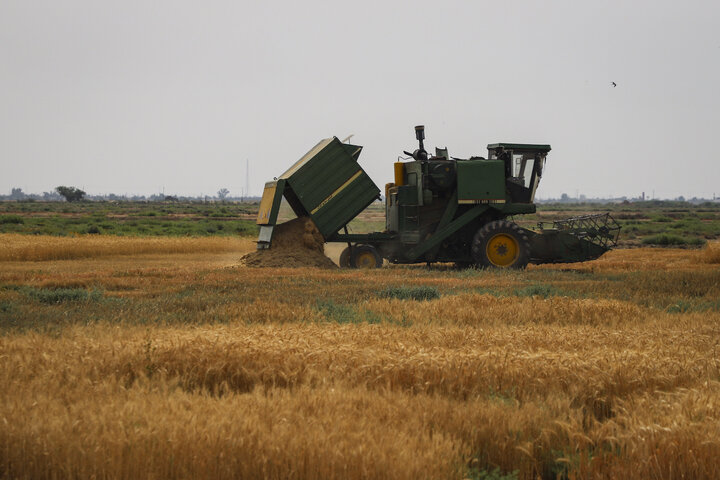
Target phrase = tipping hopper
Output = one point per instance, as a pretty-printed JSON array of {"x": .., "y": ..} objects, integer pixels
[{"x": 327, "y": 184}]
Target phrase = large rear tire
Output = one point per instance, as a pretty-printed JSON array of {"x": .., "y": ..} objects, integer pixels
[
  {"x": 365, "y": 256},
  {"x": 501, "y": 244},
  {"x": 345, "y": 258}
]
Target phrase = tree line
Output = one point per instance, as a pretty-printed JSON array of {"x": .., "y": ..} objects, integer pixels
[{"x": 74, "y": 194}]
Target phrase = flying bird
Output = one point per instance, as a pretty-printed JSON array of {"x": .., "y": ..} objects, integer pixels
[{"x": 614, "y": 84}]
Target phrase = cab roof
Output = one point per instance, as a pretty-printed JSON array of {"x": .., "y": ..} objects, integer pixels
[{"x": 519, "y": 146}]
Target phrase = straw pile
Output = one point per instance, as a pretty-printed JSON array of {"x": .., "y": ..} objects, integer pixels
[{"x": 296, "y": 243}]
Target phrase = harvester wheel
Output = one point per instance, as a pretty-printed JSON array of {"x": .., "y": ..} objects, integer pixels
[
  {"x": 501, "y": 244},
  {"x": 345, "y": 258},
  {"x": 365, "y": 256}
]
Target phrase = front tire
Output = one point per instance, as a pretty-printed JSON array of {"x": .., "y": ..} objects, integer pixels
[{"x": 501, "y": 244}]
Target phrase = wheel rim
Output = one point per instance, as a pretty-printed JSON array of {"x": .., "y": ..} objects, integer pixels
[
  {"x": 502, "y": 250},
  {"x": 365, "y": 260}
]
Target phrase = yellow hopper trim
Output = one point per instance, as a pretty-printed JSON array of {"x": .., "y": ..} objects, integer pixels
[
  {"x": 338, "y": 190},
  {"x": 478, "y": 202},
  {"x": 266, "y": 204}
]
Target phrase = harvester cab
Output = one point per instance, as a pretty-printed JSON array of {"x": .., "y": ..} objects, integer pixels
[
  {"x": 438, "y": 209},
  {"x": 523, "y": 168}
]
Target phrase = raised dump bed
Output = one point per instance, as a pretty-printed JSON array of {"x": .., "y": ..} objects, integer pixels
[{"x": 327, "y": 184}]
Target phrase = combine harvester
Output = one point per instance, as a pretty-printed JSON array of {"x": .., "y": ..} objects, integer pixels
[{"x": 440, "y": 208}]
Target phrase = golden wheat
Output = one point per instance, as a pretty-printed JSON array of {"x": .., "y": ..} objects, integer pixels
[
  {"x": 15, "y": 247},
  {"x": 158, "y": 431},
  {"x": 186, "y": 368},
  {"x": 274, "y": 400},
  {"x": 637, "y": 259},
  {"x": 711, "y": 253}
]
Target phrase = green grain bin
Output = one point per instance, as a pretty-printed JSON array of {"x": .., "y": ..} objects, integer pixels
[{"x": 327, "y": 184}]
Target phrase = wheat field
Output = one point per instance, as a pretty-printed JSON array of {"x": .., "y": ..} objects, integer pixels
[
  {"x": 15, "y": 247},
  {"x": 131, "y": 361}
]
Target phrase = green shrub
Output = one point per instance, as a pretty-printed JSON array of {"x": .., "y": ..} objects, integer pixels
[
  {"x": 410, "y": 293},
  {"x": 11, "y": 219}
]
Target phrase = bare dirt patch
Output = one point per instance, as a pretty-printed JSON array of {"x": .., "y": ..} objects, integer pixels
[{"x": 296, "y": 243}]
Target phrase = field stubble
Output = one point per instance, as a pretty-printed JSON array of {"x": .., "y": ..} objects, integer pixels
[{"x": 182, "y": 366}]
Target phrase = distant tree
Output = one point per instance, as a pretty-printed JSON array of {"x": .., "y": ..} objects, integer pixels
[
  {"x": 564, "y": 197},
  {"x": 71, "y": 194},
  {"x": 17, "y": 194},
  {"x": 223, "y": 193},
  {"x": 51, "y": 196},
  {"x": 171, "y": 198}
]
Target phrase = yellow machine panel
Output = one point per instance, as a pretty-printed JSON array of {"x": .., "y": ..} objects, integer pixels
[{"x": 265, "y": 213}]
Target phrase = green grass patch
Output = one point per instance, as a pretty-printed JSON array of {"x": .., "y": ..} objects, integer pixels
[
  {"x": 341, "y": 313},
  {"x": 7, "y": 307},
  {"x": 669, "y": 239},
  {"x": 496, "y": 474},
  {"x": 488, "y": 291},
  {"x": 684, "y": 306},
  {"x": 126, "y": 218},
  {"x": 543, "y": 291},
  {"x": 410, "y": 293},
  {"x": 63, "y": 295},
  {"x": 469, "y": 272}
]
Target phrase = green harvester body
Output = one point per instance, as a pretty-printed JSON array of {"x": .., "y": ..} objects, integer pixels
[{"x": 439, "y": 209}]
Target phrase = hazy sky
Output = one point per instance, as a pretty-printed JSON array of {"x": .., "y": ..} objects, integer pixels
[{"x": 136, "y": 96}]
